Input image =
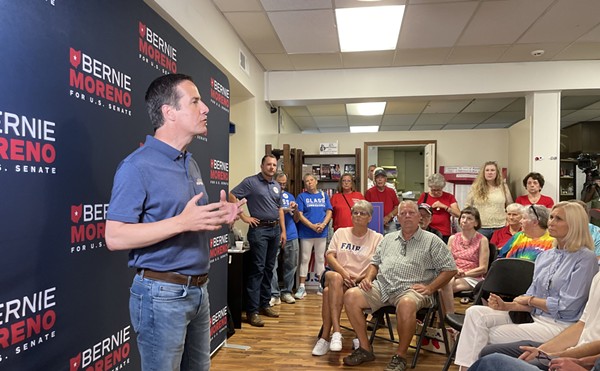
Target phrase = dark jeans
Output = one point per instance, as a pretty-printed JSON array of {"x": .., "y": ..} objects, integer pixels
[
  {"x": 513, "y": 350},
  {"x": 264, "y": 243}
]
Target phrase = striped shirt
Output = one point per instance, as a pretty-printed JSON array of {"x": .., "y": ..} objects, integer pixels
[{"x": 403, "y": 263}]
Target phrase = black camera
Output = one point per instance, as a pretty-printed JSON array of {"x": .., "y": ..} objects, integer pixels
[{"x": 587, "y": 163}]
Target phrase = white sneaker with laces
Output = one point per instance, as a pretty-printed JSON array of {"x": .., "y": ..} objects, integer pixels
[
  {"x": 274, "y": 301},
  {"x": 336, "y": 342},
  {"x": 288, "y": 298},
  {"x": 300, "y": 293},
  {"x": 321, "y": 348}
]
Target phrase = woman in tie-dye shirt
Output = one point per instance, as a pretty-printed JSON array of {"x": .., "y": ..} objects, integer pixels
[{"x": 534, "y": 237}]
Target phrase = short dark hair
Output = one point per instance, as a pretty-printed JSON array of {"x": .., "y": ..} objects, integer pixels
[
  {"x": 536, "y": 176},
  {"x": 163, "y": 90},
  {"x": 262, "y": 161},
  {"x": 472, "y": 211}
]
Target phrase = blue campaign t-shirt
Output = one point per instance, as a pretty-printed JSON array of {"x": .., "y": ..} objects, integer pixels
[
  {"x": 314, "y": 207},
  {"x": 290, "y": 226}
]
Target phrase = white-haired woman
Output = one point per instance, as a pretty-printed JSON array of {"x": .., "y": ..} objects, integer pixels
[{"x": 443, "y": 205}]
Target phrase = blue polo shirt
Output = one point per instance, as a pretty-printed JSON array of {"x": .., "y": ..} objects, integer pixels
[
  {"x": 154, "y": 183},
  {"x": 264, "y": 196}
]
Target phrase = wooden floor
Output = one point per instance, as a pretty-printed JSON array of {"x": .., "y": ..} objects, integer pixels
[{"x": 285, "y": 343}]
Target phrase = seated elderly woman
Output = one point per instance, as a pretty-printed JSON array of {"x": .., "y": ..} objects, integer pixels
[
  {"x": 348, "y": 255},
  {"x": 514, "y": 213},
  {"x": 561, "y": 282},
  {"x": 470, "y": 250},
  {"x": 533, "y": 239}
]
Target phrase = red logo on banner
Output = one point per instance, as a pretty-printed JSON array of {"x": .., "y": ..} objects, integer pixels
[
  {"x": 75, "y": 363},
  {"x": 142, "y": 29},
  {"x": 76, "y": 211},
  {"x": 75, "y": 57}
]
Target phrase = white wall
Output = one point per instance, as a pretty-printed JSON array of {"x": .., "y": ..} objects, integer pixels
[{"x": 519, "y": 153}]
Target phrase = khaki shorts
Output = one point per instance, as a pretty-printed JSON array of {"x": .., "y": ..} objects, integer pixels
[{"x": 373, "y": 298}]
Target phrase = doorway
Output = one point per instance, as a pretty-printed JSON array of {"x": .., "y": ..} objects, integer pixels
[{"x": 407, "y": 163}]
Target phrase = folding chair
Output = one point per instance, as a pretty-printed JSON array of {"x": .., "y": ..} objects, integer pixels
[
  {"x": 428, "y": 315},
  {"x": 506, "y": 277}
]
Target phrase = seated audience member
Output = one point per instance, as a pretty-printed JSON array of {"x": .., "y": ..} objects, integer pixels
[
  {"x": 348, "y": 255},
  {"x": 342, "y": 202},
  {"x": 572, "y": 342},
  {"x": 533, "y": 239},
  {"x": 471, "y": 253},
  {"x": 382, "y": 193},
  {"x": 410, "y": 265},
  {"x": 498, "y": 361},
  {"x": 513, "y": 225},
  {"x": 533, "y": 183},
  {"x": 424, "y": 222},
  {"x": 594, "y": 229},
  {"x": 443, "y": 204},
  {"x": 561, "y": 282}
]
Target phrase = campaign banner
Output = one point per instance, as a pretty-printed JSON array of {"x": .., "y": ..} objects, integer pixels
[{"x": 74, "y": 76}]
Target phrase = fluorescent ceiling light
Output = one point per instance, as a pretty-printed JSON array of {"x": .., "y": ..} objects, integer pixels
[
  {"x": 365, "y": 109},
  {"x": 364, "y": 129},
  {"x": 369, "y": 28}
]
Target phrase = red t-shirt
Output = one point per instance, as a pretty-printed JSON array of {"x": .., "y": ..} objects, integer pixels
[
  {"x": 342, "y": 215},
  {"x": 387, "y": 196},
  {"x": 441, "y": 218},
  {"x": 501, "y": 237},
  {"x": 543, "y": 201}
]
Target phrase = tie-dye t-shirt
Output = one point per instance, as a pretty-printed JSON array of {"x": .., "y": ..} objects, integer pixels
[{"x": 523, "y": 247}]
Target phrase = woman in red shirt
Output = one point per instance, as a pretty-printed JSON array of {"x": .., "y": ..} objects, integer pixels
[
  {"x": 443, "y": 205},
  {"x": 343, "y": 201},
  {"x": 533, "y": 183}
]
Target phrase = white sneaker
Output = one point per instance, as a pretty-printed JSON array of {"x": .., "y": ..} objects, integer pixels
[
  {"x": 288, "y": 298},
  {"x": 321, "y": 348},
  {"x": 274, "y": 301},
  {"x": 336, "y": 342},
  {"x": 355, "y": 343},
  {"x": 320, "y": 291},
  {"x": 300, "y": 293}
]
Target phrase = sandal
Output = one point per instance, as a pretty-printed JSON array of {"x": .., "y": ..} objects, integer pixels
[{"x": 465, "y": 300}]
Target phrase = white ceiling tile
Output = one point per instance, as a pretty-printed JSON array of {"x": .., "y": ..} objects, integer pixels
[
  {"x": 476, "y": 54},
  {"x": 470, "y": 117},
  {"x": 577, "y": 102},
  {"x": 583, "y": 115},
  {"x": 427, "y": 127},
  {"x": 275, "y": 62},
  {"x": 579, "y": 51},
  {"x": 306, "y": 31},
  {"x": 522, "y": 52},
  {"x": 399, "y": 119},
  {"x": 421, "y": 57},
  {"x": 502, "y": 22},
  {"x": 238, "y": 5},
  {"x": 434, "y": 119},
  {"x": 299, "y": 111},
  {"x": 317, "y": 61},
  {"x": 394, "y": 128},
  {"x": 437, "y": 1},
  {"x": 594, "y": 105},
  {"x": 368, "y": 59},
  {"x": 495, "y": 125},
  {"x": 358, "y": 4},
  {"x": 434, "y": 25},
  {"x": 592, "y": 36},
  {"x": 565, "y": 112},
  {"x": 459, "y": 126},
  {"x": 561, "y": 24},
  {"x": 517, "y": 106},
  {"x": 331, "y": 121},
  {"x": 327, "y": 109},
  {"x": 324, "y": 129},
  {"x": 488, "y": 105},
  {"x": 255, "y": 29},
  {"x": 405, "y": 107},
  {"x": 278, "y": 5},
  {"x": 446, "y": 106},
  {"x": 305, "y": 122},
  {"x": 505, "y": 117}
]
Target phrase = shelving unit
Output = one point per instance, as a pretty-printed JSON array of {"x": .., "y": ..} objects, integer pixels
[
  {"x": 568, "y": 179},
  {"x": 294, "y": 158}
]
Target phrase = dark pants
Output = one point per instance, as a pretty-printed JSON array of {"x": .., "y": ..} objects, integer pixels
[{"x": 264, "y": 242}]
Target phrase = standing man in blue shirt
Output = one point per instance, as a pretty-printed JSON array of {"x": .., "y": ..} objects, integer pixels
[
  {"x": 159, "y": 211},
  {"x": 265, "y": 235}
]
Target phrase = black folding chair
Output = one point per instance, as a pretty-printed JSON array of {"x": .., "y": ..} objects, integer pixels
[{"x": 508, "y": 278}]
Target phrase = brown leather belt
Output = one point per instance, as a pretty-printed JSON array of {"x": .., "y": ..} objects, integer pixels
[
  {"x": 268, "y": 223},
  {"x": 176, "y": 278}
]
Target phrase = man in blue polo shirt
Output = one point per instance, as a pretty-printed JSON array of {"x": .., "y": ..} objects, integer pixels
[
  {"x": 265, "y": 235},
  {"x": 159, "y": 211}
]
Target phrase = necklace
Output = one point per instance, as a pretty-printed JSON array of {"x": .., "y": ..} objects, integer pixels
[{"x": 465, "y": 242}]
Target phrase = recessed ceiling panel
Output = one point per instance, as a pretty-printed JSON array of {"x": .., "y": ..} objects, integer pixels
[
  {"x": 331, "y": 121},
  {"x": 488, "y": 105},
  {"x": 434, "y": 119},
  {"x": 306, "y": 31},
  {"x": 446, "y": 106},
  {"x": 399, "y": 119},
  {"x": 278, "y": 5},
  {"x": 255, "y": 29},
  {"x": 319, "y": 61},
  {"x": 470, "y": 117},
  {"x": 327, "y": 109},
  {"x": 421, "y": 57}
]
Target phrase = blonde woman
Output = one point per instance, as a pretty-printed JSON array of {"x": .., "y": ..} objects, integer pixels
[
  {"x": 490, "y": 195},
  {"x": 558, "y": 293},
  {"x": 314, "y": 210}
]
